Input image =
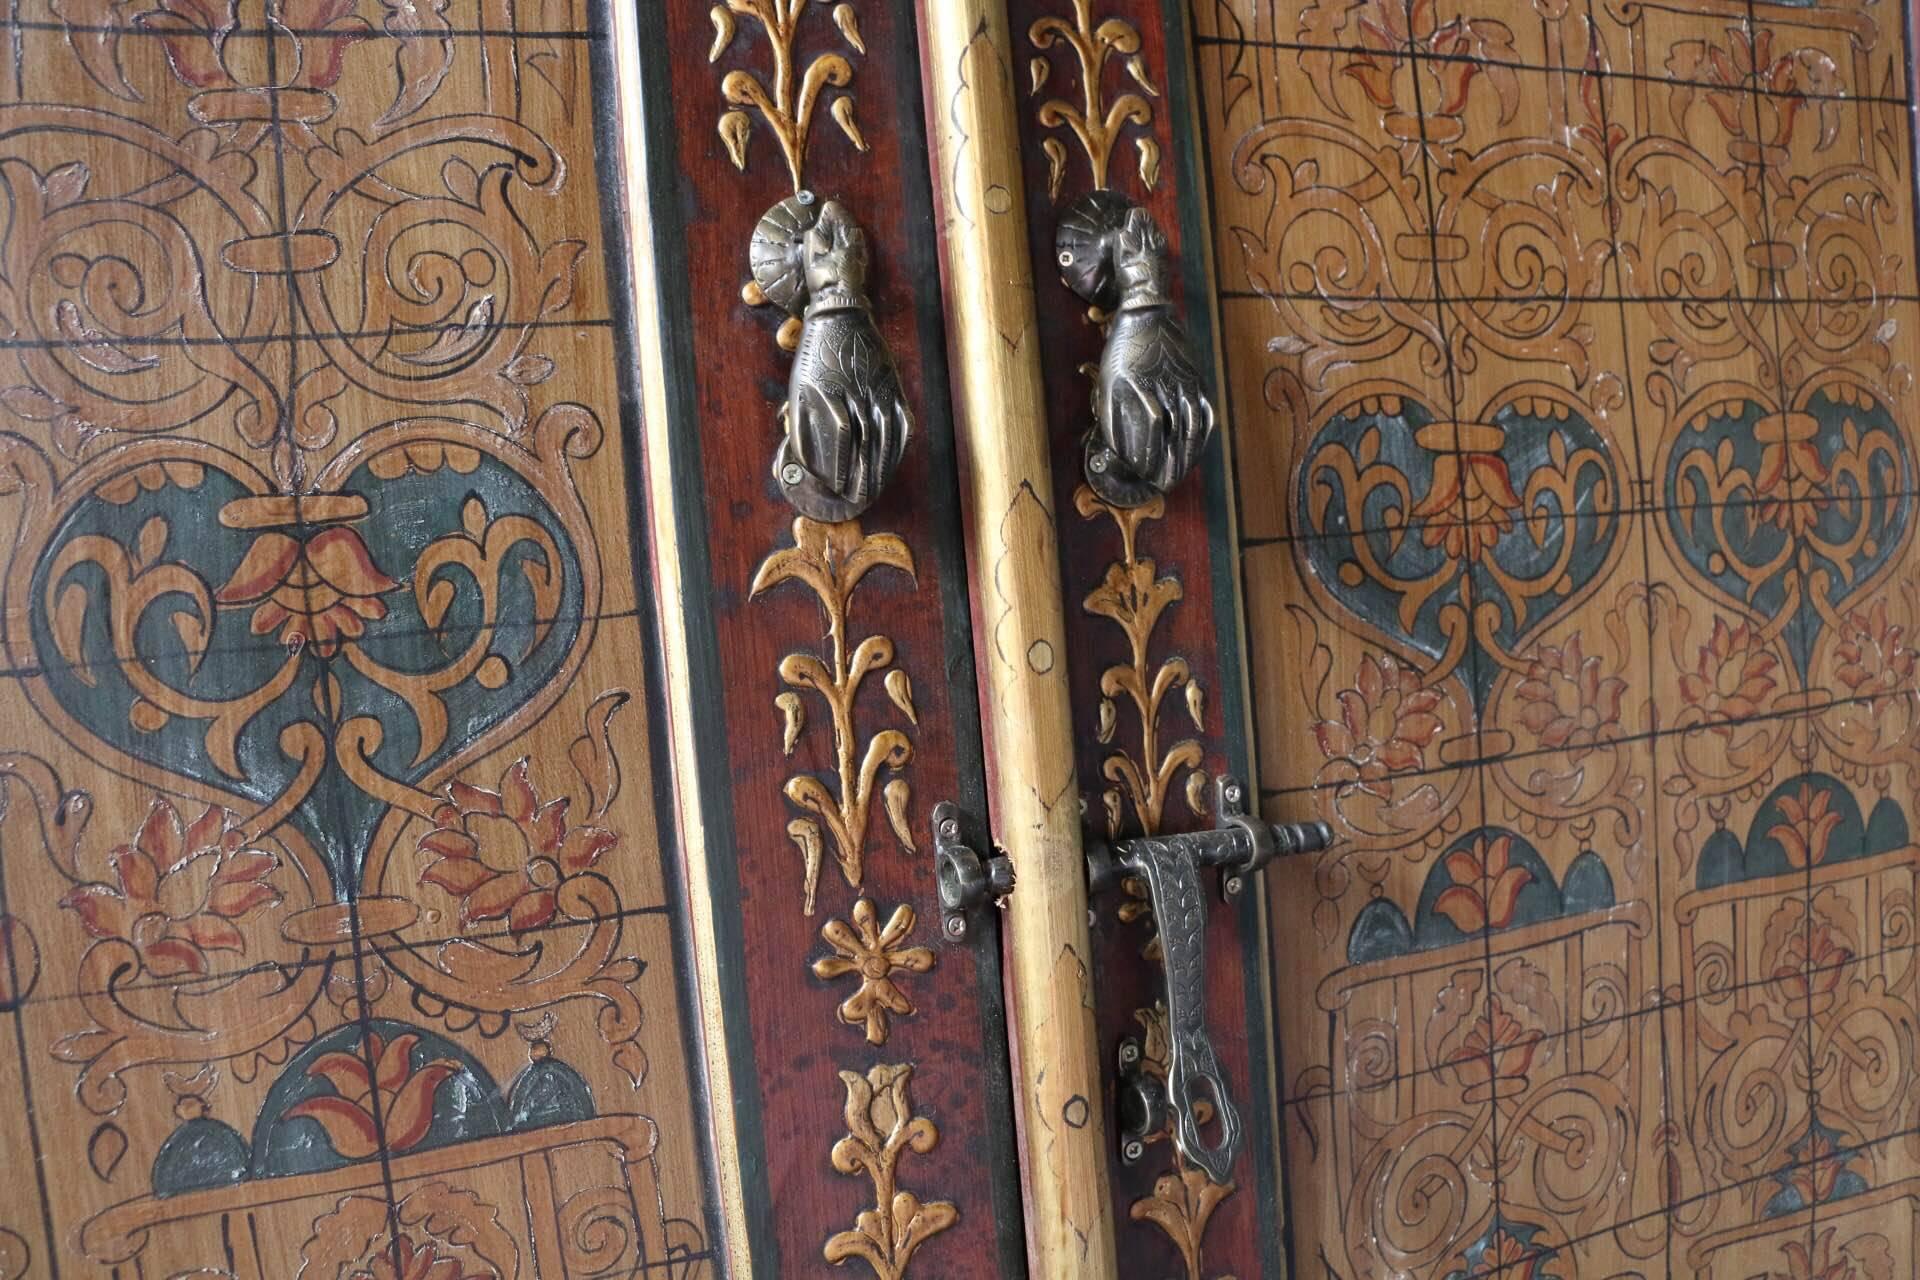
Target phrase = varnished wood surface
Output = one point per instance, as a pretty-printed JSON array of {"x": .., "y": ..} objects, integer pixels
[
  {"x": 321, "y": 347},
  {"x": 341, "y": 913},
  {"x": 1599, "y": 319}
]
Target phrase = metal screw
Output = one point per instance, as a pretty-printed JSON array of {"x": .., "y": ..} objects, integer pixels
[
  {"x": 1129, "y": 1053},
  {"x": 1233, "y": 886},
  {"x": 1066, "y": 257},
  {"x": 1097, "y": 463},
  {"x": 804, "y": 197},
  {"x": 1233, "y": 793},
  {"x": 956, "y": 927},
  {"x": 790, "y": 474},
  {"x": 1132, "y": 1150},
  {"x": 949, "y": 828}
]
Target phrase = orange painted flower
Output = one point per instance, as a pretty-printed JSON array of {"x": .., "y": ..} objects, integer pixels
[
  {"x": 404, "y": 1260},
  {"x": 1791, "y": 484},
  {"x": 1396, "y": 41},
  {"x": 314, "y": 591},
  {"x": 1874, "y": 658},
  {"x": 1818, "y": 1262},
  {"x": 178, "y": 888},
  {"x": 1818, "y": 1173},
  {"x": 1506, "y": 1256},
  {"x": 1732, "y": 678},
  {"x": 1566, "y": 702},
  {"x": 1808, "y": 825},
  {"x": 1387, "y": 720},
  {"x": 1498, "y": 1046},
  {"x": 402, "y": 1093},
  {"x": 1486, "y": 885},
  {"x": 1470, "y": 503},
  {"x": 504, "y": 854}
]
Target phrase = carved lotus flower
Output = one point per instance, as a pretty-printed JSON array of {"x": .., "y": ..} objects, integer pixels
[
  {"x": 196, "y": 35},
  {"x": 1566, "y": 702},
  {"x": 1486, "y": 885},
  {"x": 314, "y": 590},
  {"x": 1470, "y": 501},
  {"x": 402, "y": 1093},
  {"x": 178, "y": 889},
  {"x": 1873, "y": 653},
  {"x": 1497, "y": 1047},
  {"x": 1807, "y": 826},
  {"x": 506, "y": 855},
  {"x": 1732, "y": 678},
  {"x": 1387, "y": 721},
  {"x": 1791, "y": 483}
]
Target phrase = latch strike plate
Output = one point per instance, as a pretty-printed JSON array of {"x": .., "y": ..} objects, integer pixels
[{"x": 967, "y": 881}]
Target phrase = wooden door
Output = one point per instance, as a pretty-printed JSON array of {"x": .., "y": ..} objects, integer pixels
[
  {"x": 455, "y": 821},
  {"x": 1561, "y": 542}
]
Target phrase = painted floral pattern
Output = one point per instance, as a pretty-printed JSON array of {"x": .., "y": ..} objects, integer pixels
[
  {"x": 1732, "y": 675},
  {"x": 1388, "y": 719},
  {"x": 505, "y": 854},
  {"x": 378, "y": 1092},
  {"x": 314, "y": 592},
  {"x": 1486, "y": 885},
  {"x": 1566, "y": 701},
  {"x": 179, "y": 890}
]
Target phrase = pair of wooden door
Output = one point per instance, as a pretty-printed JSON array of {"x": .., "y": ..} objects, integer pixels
[{"x": 462, "y": 815}]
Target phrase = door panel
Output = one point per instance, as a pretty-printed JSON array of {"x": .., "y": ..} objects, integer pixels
[
  {"x": 400, "y": 842},
  {"x": 829, "y": 666},
  {"x": 1150, "y": 594},
  {"x": 1568, "y": 360}
]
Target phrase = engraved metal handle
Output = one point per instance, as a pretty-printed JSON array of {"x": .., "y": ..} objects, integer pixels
[
  {"x": 1151, "y": 413},
  {"x": 1170, "y": 867},
  {"x": 845, "y": 420}
]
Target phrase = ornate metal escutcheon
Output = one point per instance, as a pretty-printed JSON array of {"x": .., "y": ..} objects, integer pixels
[
  {"x": 1151, "y": 413},
  {"x": 845, "y": 418},
  {"x": 1170, "y": 868}
]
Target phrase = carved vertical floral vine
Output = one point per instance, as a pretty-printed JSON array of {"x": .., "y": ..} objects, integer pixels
[
  {"x": 881, "y": 1129},
  {"x": 1134, "y": 598},
  {"x": 831, "y": 560},
  {"x": 787, "y": 103},
  {"x": 1096, "y": 122}
]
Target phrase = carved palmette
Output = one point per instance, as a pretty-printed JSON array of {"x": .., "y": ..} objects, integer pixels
[
  {"x": 1152, "y": 416},
  {"x": 845, "y": 418}
]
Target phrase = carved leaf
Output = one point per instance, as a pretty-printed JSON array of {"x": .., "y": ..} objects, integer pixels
[
  {"x": 1197, "y": 793},
  {"x": 722, "y": 32},
  {"x": 1181, "y": 1205},
  {"x": 105, "y": 1149},
  {"x": 848, "y": 22},
  {"x": 793, "y": 719},
  {"x": 1038, "y": 69},
  {"x": 592, "y": 752},
  {"x": 631, "y": 1058},
  {"x": 456, "y": 341},
  {"x": 1197, "y": 706},
  {"x": 900, "y": 689},
  {"x": 735, "y": 128},
  {"x": 422, "y": 56},
  {"x": 806, "y": 837},
  {"x": 1056, "y": 165},
  {"x": 1149, "y": 162},
  {"x": 93, "y": 30},
  {"x": 1137, "y": 68},
  {"x": 895, "y": 796},
  {"x": 1109, "y": 720},
  {"x": 842, "y": 109}
]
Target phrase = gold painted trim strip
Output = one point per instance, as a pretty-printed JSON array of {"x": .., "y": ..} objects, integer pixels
[
  {"x": 689, "y": 819},
  {"x": 1020, "y": 634}
]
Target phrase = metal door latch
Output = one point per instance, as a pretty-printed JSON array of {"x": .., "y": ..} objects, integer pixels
[
  {"x": 967, "y": 881},
  {"x": 1170, "y": 868}
]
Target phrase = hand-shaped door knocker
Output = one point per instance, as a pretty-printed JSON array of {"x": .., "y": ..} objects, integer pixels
[
  {"x": 846, "y": 421},
  {"x": 1151, "y": 413}
]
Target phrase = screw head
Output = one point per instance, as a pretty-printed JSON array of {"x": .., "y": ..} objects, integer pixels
[
  {"x": 1098, "y": 463},
  {"x": 1233, "y": 792},
  {"x": 1132, "y": 1150},
  {"x": 803, "y": 196},
  {"x": 1233, "y": 886},
  {"x": 1129, "y": 1053},
  {"x": 790, "y": 474},
  {"x": 956, "y": 927},
  {"x": 949, "y": 828}
]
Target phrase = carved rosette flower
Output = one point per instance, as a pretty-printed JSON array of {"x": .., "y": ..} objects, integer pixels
[
  {"x": 873, "y": 953},
  {"x": 178, "y": 890},
  {"x": 506, "y": 855},
  {"x": 1873, "y": 654}
]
